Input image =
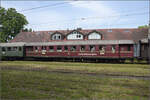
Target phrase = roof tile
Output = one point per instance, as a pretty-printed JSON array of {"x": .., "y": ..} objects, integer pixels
[{"x": 134, "y": 34}]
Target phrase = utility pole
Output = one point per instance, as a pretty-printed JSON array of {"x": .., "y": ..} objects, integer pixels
[
  {"x": 149, "y": 38},
  {"x": 0, "y": 31},
  {"x": 149, "y": 43}
]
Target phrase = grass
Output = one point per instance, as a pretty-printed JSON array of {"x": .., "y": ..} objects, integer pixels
[
  {"x": 44, "y": 80},
  {"x": 115, "y": 69}
]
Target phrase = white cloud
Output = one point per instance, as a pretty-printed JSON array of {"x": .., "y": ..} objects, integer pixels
[
  {"x": 40, "y": 19},
  {"x": 99, "y": 13},
  {"x": 45, "y": 20},
  {"x": 95, "y": 15},
  {"x": 86, "y": 14}
]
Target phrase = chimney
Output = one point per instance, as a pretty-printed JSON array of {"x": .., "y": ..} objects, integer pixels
[
  {"x": 67, "y": 29},
  {"x": 79, "y": 29}
]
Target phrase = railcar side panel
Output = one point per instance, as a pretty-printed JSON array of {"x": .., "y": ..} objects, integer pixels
[
  {"x": 126, "y": 51},
  {"x": 110, "y": 51}
]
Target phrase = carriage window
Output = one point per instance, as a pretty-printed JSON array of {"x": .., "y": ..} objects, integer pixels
[
  {"x": 122, "y": 49},
  {"x": 82, "y": 48},
  {"x": 3, "y": 49},
  {"x": 43, "y": 47},
  {"x": 30, "y": 48},
  {"x": 59, "y": 48},
  {"x": 92, "y": 48},
  {"x": 129, "y": 48},
  {"x": 36, "y": 48},
  {"x": 20, "y": 49},
  {"x": 9, "y": 48},
  {"x": 14, "y": 49},
  {"x": 73, "y": 48},
  {"x": 65, "y": 48},
  {"x": 51, "y": 48},
  {"x": 102, "y": 49},
  {"x": 113, "y": 48}
]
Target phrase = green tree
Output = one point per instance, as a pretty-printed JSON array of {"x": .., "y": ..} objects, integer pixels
[
  {"x": 144, "y": 26},
  {"x": 27, "y": 30},
  {"x": 12, "y": 22}
]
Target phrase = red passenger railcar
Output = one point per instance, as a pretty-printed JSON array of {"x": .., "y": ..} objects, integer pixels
[{"x": 97, "y": 49}]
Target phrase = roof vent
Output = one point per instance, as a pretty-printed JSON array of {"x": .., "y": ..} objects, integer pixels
[
  {"x": 37, "y": 33},
  {"x": 79, "y": 29},
  {"x": 50, "y": 32},
  {"x": 126, "y": 31},
  {"x": 109, "y": 30}
]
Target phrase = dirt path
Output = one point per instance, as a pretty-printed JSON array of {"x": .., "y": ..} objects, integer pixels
[{"x": 101, "y": 75}]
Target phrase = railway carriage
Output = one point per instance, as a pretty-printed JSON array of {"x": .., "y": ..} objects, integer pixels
[
  {"x": 12, "y": 50},
  {"x": 105, "y": 49}
]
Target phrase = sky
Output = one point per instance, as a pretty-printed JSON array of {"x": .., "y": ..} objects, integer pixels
[{"x": 62, "y": 15}]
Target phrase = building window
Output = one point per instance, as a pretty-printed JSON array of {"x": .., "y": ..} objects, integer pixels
[
  {"x": 51, "y": 48},
  {"x": 102, "y": 49},
  {"x": 73, "y": 48},
  {"x": 82, "y": 48},
  {"x": 113, "y": 48},
  {"x": 65, "y": 48},
  {"x": 94, "y": 35},
  {"x": 74, "y": 35},
  {"x": 92, "y": 48},
  {"x": 78, "y": 36},
  {"x": 56, "y": 37},
  {"x": 59, "y": 49},
  {"x": 59, "y": 37}
]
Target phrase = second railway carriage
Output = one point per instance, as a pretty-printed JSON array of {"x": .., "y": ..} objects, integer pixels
[{"x": 12, "y": 50}]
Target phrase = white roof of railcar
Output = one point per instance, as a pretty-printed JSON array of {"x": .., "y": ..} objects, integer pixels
[
  {"x": 87, "y": 42},
  {"x": 12, "y": 44}
]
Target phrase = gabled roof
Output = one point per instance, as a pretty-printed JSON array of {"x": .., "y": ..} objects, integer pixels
[{"x": 134, "y": 34}]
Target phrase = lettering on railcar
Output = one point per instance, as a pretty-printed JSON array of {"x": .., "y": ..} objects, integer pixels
[{"x": 87, "y": 54}]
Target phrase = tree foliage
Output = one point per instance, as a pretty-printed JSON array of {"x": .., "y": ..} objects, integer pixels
[
  {"x": 144, "y": 26},
  {"x": 12, "y": 22},
  {"x": 27, "y": 30}
]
